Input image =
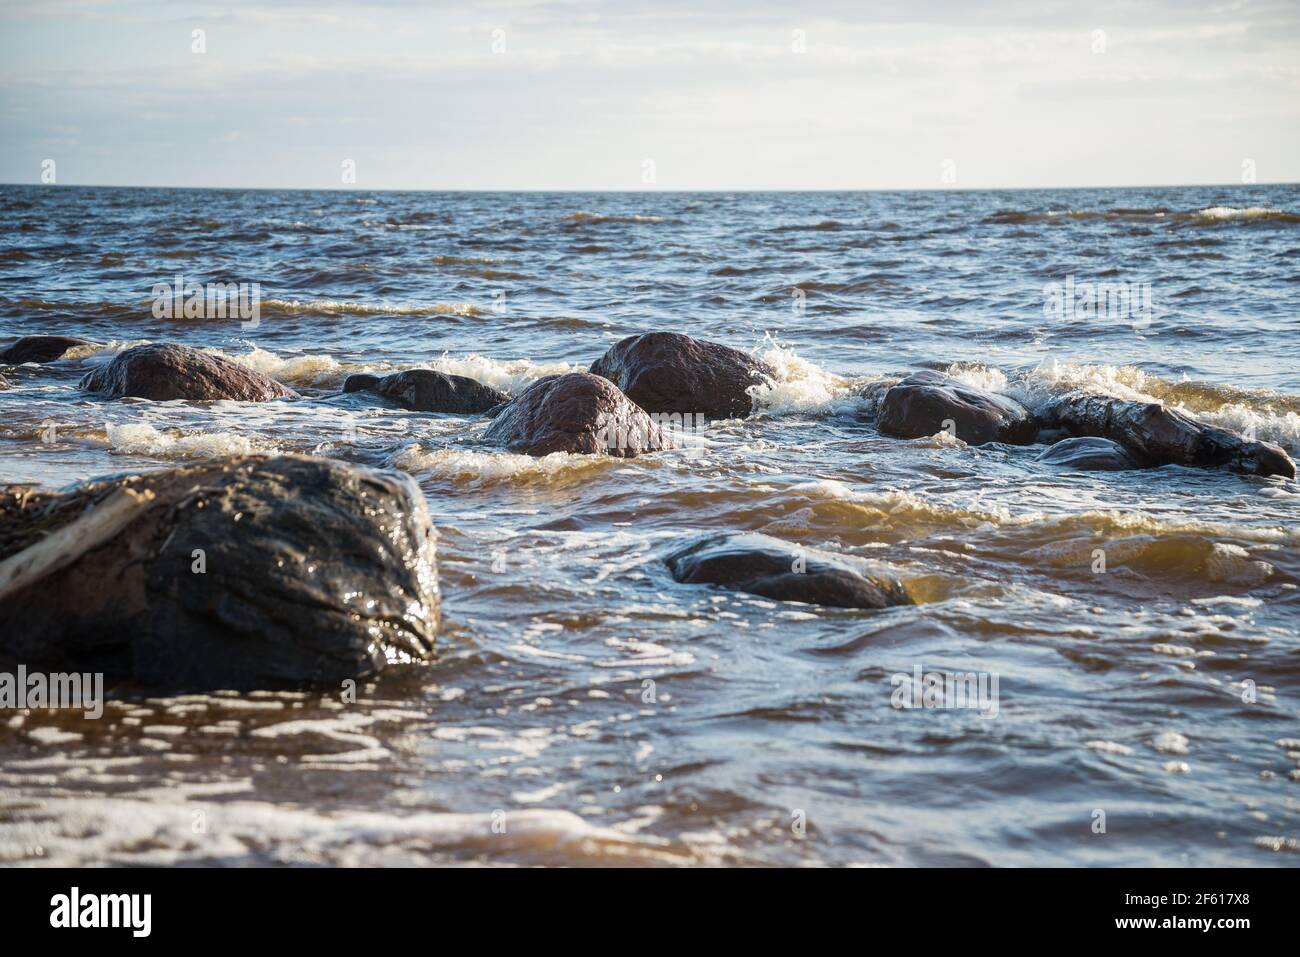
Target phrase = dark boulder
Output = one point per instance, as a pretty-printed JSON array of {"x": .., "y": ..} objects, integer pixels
[
  {"x": 423, "y": 390},
  {"x": 576, "y": 412},
  {"x": 1155, "y": 435},
  {"x": 670, "y": 372},
  {"x": 1089, "y": 454},
  {"x": 163, "y": 371},
  {"x": 766, "y": 566},
  {"x": 40, "y": 348},
  {"x": 920, "y": 406},
  {"x": 246, "y": 572}
]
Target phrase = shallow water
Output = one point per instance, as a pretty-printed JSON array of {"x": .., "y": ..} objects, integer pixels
[{"x": 612, "y": 715}]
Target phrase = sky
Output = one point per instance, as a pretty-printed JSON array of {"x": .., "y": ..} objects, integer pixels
[{"x": 655, "y": 94}]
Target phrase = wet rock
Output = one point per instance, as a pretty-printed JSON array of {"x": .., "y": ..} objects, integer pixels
[
  {"x": 670, "y": 372},
  {"x": 246, "y": 572},
  {"x": 5, "y": 384},
  {"x": 762, "y": 565},
  {"x": 576, "y": 412},
  {"x": 423, "y": 390},
  {"x": 40, "y": 348},
  {"x": 920, "y": 406},
  {"x": 1155, "y": 435},
  {"x": 163, "y": 371},
  {"x": 1089, "y": 454}
]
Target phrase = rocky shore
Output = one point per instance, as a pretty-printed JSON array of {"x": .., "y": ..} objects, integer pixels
[{"x": 259, "y": 571}]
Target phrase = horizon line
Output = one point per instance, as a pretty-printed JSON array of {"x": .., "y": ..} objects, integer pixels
[{"x": 852, "y": 189}]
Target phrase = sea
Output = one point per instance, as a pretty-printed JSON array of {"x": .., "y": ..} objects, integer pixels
[{"x": 1139, "y": 632}]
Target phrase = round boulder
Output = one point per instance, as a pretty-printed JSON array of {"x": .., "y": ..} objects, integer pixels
[
  {"x": 929, "y": 402},
  {"x": 576, "y": 412},
  {"x": 671, "y": 372},
  {"x": 164, "y": 371},
  {"x": 243, "y": 573}
]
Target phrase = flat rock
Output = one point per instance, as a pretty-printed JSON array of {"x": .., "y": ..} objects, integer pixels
[
  {"x": 164, "y": 371},
  {"x": 766, "y": 566},
  {"x": 671, "y": 372},
  {"x": 246, "y": 572},
  {"x": 925, "y": 402},
  {"x": 423, "y": 390},
  {"x": 575, "y": 412},
  {"x": 40, "y": 348},
  {"x": 1154, "y": 435},
  {"x": 1089, "y": 454}
]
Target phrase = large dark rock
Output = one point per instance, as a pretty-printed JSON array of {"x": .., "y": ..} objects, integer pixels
[
  {"x": 313, "y": 571},
  {"x": 762, "y": 565},
  {"x": 576, "y": 412},
  {"x": 40, "y": 348},
  {"x": 920, "y": 405},
  {"x": 670, "y": 372},
  {"x": 423, "y": 390},
  {"x": 1155, "y": 435},
  {"x": 1089, "y": 454},
  {"x": 163, "y": 371}
]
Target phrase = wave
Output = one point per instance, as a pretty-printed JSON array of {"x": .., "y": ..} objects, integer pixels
[
  {"x": 599, "y": 218},
  {"x": 334, "y": 307},
  {"x": 801, "y": 386},
  {"x": 476, "y": 468},
  {"x": 1210, "y": 215},
  {"x": 825, "y": 226},
  {"x": 1274, "y": 416},
  {"x": 142, "y": 438}
]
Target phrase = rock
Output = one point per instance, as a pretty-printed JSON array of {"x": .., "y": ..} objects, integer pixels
[
  {"x": 163, "y": 371},
  {"x": 920, "y": 405},
  {"x": 576, "y": 412},
  {"x": 762, "y": 565},
  {"x": 246, "y": 572},
  {"x": 1089, "y": 454},
  {"x": 4, "y": 384},
  {"x": 423, "y": 390},
  {"x": 670, "y": 372},
  {"x": 1155, "y": 435},
  {"x": 40, "y": 348}
]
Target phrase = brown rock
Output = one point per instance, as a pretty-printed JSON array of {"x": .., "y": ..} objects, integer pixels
[
  {"x": 163, "y": 371},
  {"x": 577, "y": 412},
  {"x": 670, "y": 372}
]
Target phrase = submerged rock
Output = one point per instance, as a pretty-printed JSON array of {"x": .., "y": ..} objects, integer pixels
[
  {"x": 1155, "y": 435},
  {"x": 576, "y": 412},
  {"x": 247, "y": 572},
  {"x": 40, "y": 348},
  {"x": 762, "y": 565},
  {"x": 423, "y": 390},
  {"x": 1090, "y": 454},
  {"x": 670, "y": 372},
  {"x": 164, "y": 370},
  {"x": 920, "y": 406}
]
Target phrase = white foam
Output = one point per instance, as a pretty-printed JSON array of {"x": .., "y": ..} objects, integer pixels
[
  {"x": 461, "y": 465},
  {"x": 1232, "y": 212},
  {"x": 1170, "y": 742},
  {"x": 142, "y": 438},
  {"x": 336, "y": 307},
  {"x": 156, "y": 829}
]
